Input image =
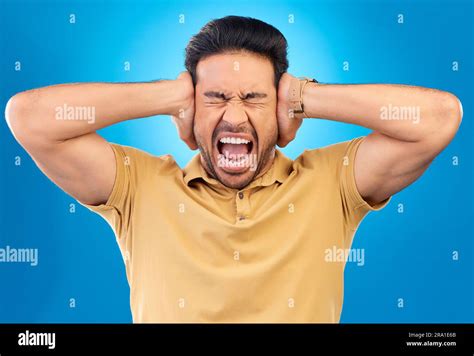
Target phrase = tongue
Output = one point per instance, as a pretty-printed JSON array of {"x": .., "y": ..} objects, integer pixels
[{"x": 231, "y": 149}]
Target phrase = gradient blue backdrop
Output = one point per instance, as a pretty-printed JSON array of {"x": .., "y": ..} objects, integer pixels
[{"x": 407, "y": 255}]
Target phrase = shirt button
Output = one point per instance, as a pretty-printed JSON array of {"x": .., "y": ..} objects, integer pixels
[{"x": 241, "y": 195}]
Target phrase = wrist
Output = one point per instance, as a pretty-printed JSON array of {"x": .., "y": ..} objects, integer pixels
[
  {"x": 296, "y": 96},
  {"x": 307, "y": 96}
]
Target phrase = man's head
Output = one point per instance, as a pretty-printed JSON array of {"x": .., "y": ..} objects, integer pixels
[{"x": 236, "y": 64}]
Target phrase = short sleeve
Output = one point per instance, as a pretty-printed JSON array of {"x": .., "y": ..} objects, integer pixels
[
  {"x": 354, "y": 205},
  {"x": 337, "y": 163},
  {"x": 132, "y": 165}
]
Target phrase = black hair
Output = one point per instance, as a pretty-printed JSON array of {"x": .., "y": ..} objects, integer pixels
[{"x": 237, "y": 33}]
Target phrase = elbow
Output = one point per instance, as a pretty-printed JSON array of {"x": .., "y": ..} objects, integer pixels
[
  {"x": 449, "y": 117},
  {"x": 452, "y": 114},
  {"x": 18, "y": 115}
]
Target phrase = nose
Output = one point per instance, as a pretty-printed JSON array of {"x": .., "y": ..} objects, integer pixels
[{"x": 235, "y": 114}]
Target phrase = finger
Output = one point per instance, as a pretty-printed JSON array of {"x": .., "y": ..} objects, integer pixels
[
  {"x": 186, "y": 135},
  {"x": 282, "y": 142},
  {"x": 192, "y": 145},
  {"x": 191, "y": 142},
  {"x": 183, "y": 75}
]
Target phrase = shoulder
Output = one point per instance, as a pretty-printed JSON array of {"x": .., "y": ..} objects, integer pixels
[
  {"x": 329, "y": 156},
  {"x": 137, "y": 159}
]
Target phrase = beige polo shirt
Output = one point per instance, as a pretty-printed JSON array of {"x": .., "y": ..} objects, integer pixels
[{"x": 197, "y": 251}]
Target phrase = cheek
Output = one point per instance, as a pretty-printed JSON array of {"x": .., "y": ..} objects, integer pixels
[
  {"x": 266, "y": 125},
  {"x": 205, "y": 121},
  {"x": 267, "y": 135}
]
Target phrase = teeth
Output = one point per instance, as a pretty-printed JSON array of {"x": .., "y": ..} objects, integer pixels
[
  {"x": 239, "y": 161},
  {"x": 234, "y": 140}
]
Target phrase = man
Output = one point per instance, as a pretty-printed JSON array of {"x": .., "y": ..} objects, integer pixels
[{"x": 239, "y": 234}]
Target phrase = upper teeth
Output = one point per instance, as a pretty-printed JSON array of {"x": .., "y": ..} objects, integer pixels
[{"x": 234, "y": 140}]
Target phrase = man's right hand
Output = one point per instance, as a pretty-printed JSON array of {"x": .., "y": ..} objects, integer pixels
[{"x": 183, "y": 117}]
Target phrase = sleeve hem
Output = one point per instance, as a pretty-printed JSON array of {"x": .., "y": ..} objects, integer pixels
[
  {"x": 359, "y": 201},
  {"x": 116, "y": 192}
]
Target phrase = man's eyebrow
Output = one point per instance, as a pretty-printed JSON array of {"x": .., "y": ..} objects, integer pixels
[
  {"x": 215, "y": 94},
  {"x": 220, "y": 95},
  {"x": 254, "y": 95}
]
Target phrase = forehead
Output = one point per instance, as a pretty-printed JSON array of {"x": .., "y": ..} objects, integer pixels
[{"x": 234, "y": 71}]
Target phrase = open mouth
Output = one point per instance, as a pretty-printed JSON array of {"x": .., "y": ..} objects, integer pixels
[{"x": 235, "y": 152}]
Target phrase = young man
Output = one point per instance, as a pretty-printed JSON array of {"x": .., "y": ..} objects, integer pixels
[{"x": 239, "y": 234}]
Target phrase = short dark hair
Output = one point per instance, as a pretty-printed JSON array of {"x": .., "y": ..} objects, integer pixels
[{"x": 234, "y": 33}]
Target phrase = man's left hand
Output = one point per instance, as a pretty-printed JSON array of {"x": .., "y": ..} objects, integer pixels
[{"x": 288, "y": 122}]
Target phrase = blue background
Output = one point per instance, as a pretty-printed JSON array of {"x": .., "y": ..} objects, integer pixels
[{"x": 407, "y": 255}]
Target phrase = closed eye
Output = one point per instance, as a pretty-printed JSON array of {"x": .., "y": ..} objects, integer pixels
[
  {"x": 215, "y": 97},
  {"x": 255, "y": 99},
  {"x": 253, "y": 95}
]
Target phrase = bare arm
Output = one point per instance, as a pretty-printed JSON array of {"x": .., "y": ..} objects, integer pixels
[
  {"x": 411, "y": 125},
  {"x": 57, "y": 126}
]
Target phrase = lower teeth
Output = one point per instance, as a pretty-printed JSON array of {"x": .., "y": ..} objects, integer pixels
[{"x": 237, "y": 161}]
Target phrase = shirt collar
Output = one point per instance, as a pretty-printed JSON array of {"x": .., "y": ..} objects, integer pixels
[{"x": 278, "y": 172}]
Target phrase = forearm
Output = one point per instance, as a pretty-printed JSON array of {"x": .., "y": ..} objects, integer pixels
[
  {"x": 402, "y": 112},
  {"x": 63, "y": 112}
]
